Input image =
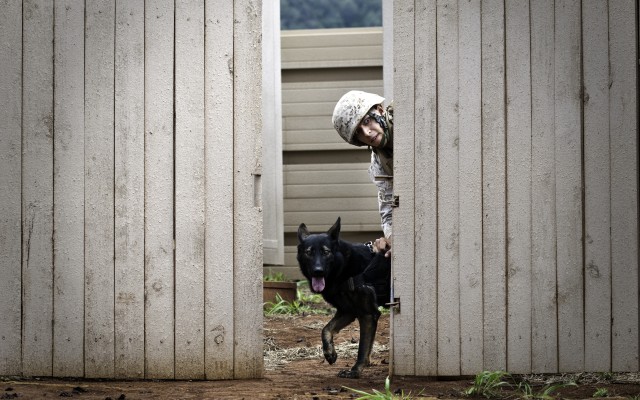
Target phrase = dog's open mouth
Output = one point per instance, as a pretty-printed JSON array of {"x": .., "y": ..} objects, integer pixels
[{"x": 317, "y": 284}]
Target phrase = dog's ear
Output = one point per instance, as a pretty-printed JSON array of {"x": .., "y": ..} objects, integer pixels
[
  {"x": 334, "y": 231},
  {"x": 303, "y": 232}
]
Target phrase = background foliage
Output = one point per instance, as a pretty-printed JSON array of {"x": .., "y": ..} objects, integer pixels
[{"x": 316, "y": 14}]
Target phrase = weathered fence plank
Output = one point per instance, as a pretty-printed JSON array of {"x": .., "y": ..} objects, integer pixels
[
  {"x": 569, "y": 186},
  {"x": 518, "y": 84},
  {"x": 597, "y": 198},
  {"x": 218, "y": 148},
  {"x": 159, "y": 170},
  {"x": 99, "y": 182},
  {"x": 493, "y": 193},
  {"x": 470, "y": 187},
  {"x": 544, "y": 335},
  {"x": 448, "y": 213},
  {"x": 68, "y": 191},
  {"x": 405, "y": 343},
  {"x": 10, "y": 182},
  {"x": 129, "y": 192},
  {"x": 623, "y": 123},
  {"x": 37, "y": 189},
  {"x": 247, "y": 229},
  {"x": 423, "y": 250},
  {"x": 190, "y": 185}
]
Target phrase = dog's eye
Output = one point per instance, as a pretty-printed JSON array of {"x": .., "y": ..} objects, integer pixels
[
  {"x": 326, "y": 252},
  {"x": 308, "y": 252}
]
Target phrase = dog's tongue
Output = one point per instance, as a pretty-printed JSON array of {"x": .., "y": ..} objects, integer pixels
[{"x": 317, "y": 284}]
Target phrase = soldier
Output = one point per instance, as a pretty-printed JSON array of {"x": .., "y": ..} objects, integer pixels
[{"x": 361, "y": 120}]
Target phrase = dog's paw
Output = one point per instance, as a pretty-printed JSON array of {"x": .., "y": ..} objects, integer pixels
[
  {"x": 349, "y": 373},
  {"x": 330, "y": 356}
]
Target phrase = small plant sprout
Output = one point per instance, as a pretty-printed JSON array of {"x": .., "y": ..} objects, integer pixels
[
  {"x": 601, "y": 392},
  {"x": 377, "y": 395},
  {"x": 487, "y": 384}
]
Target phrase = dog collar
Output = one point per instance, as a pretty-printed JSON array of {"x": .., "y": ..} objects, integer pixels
[{"x": 369, "y": 245}]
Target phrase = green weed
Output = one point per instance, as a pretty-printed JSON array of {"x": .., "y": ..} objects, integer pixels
[
  {"x": 487, "y": 384},
  {"x": 546, "y": 393},
  {"x": 601, "y": 392}
]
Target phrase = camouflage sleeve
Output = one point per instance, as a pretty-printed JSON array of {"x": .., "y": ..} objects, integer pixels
[{"x": 385, "y": 194}]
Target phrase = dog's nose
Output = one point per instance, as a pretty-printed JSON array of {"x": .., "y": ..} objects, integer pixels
[{"x": 317, "y": 270}]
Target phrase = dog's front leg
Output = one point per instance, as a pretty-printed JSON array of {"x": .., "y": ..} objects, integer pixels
[
  {"x": 368, "y": 327},
  {"x": 339, "y": 321}
]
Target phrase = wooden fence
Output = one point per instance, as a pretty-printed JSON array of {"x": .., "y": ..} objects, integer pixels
[
  {"x": 516, "y": 150},
  {"x": 130, "y": 137}
]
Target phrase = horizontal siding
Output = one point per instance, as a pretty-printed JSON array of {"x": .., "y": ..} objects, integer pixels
[
  {"x": 330, "y": 48},
  {"x": 317, "y": 194}
]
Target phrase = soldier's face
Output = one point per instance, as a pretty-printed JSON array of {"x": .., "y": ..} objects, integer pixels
[{"x": 369, "y": 131}]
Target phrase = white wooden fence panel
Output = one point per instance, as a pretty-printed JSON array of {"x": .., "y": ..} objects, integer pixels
[
  {"x": 569, "y": 186},
  {"x": 159, "y": 170},
  {"x": 448, "y": 214},
  {"x": 189, "y": 195},
  {"x": 518, "y": 85},
  {"x": 10, "y": 182},
  {"x": 623, "y": 123},
  {"x": 544, "y": 335},
  {"x": 559, "y": 175},
  {"x": 37, "y": 189},
  {"x": 405, "y": 342},
  {"x": 493, "y": 193},
  {"x": 597, "y": 201},
  {"x": 129, "y": 189},
  {"x": 470, "y": 187},
  {"x": 68, "y": 191},
  {"x": 219, "y": 325},
  {"x": 93, "y": 283},
  {"x": 99, "y": 188}
]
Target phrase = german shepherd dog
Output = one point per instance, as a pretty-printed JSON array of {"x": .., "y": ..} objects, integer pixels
[{"x": 352, "y": 278}]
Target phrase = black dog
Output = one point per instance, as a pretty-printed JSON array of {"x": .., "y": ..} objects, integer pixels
[{"x": 350, "y": 277}]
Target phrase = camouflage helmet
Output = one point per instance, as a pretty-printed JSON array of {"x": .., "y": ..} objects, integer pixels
[{"x": 350, "y": 110}]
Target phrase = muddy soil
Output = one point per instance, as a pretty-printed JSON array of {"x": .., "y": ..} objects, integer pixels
[{"x": 295, "y": 369}]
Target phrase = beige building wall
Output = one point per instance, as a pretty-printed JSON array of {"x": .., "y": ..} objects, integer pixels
[{"x": 325, "y": 178}]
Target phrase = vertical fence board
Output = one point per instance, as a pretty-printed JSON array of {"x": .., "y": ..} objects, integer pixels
[
  {"x": 10, "y": 182},
  {"x": 518, "y": 84},
  {"x": 159, "y": 218},
  {"x": 470, "y": 188},
  {"x": 129, "y": 189},
  {"x": 68, "y": 234},
  {"x": 544, "y": 335},
  {"x": 247, "y": 203},
  {"x": 624, "y": 183},
  {"x": 219, "y": 211},
  {"x": 424, "y": 184},
  {"x": 189, "y": 167},
  {"x": 406, "y": 346},
  {"x": 448, "y": 224},
  {"x": 493, "y": 195},
  {"x": 569, "y": 186},
  {"x": 597, "y": 208},
  {"x": 37, "y": 189},
  {"x": 99, "y": 164}
]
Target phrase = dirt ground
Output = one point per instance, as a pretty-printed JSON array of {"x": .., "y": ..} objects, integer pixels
[{"x": 295, "y": 369}]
